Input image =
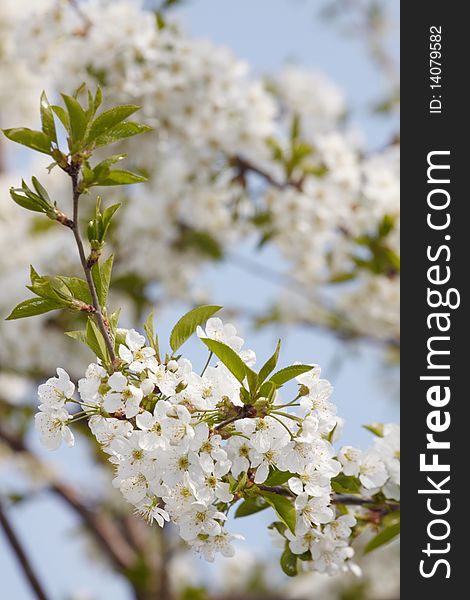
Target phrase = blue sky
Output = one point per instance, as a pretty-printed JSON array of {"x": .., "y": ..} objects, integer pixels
[{"x": 266, "y": 34}]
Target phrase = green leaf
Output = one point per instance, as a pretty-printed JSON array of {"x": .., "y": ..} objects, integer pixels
[
  {"x": 108, "y": 119},
  {"x": 101, "y": 170},
  {"x": 95, "y": 341},
  {"x": 78, "y": 288},
  {"x": 346, "y": 484},
  {"x": 121, "y": 177},
  {"x": 150, "y": 333},
  {"x": 98, "y": 99},
  {"x": 120, "y": 132},
  {"x": 228, "y": 356},
  {"x": 270, "y": 364},
  {"x": 77, "y": 118},
  {"x": 252, "y": 379},
  {"x": 37, "y": 140},
  {"x": 63, "y": 116},
  {"x": 289, "y": 562},
  {"x": 295, "y": 127},
  {"x": 77, "y": 335},
  {"x": 108, "y": 214},
  {"x": 386, "y": 535},
  {"x": 41, "y": 190},
  {"x": 26, "y": 202},
  {"x": 32, "y": 307},
  {"x": 342, "y": 277},
  {"x": 251, "y": 506},
  {"x": 47, "y": 118},
  {"x": 201, "y": 241},
  {"x": 188, "y": 324},
  {"x": 277, "y": 477},
  {"x": 391, "y": 518},
  {"x": 386, "y": 226},
  {"x": 375, "y": 428},
  {"x": 284, "y": 508},
  {"x": 34, "y": 275},
  {"x": 279, "y": 527},
  {"x": 113, "y": 321},
  {"x": 102, "y": 277},
  {"x": 288, "y": 373},
  {"x": 267, "y": 390}
]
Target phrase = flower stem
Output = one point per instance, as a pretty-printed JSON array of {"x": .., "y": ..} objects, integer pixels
[{"x": 211, "y": 354}]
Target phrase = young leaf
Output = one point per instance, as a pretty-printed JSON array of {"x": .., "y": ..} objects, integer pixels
[
  {"x": 188, "y": 324},
  {"x": 98, "y": 99},
  {"x": 279, "y": 527},
  {"x": 37, "y": 140},
  {"x": 77, "y": 118},
  {"x": 102, "y": 277},
  {"x": 289, "y": 562},
  {"x": 228, "y": 356},
  {"x": 267, "y": 390},
  {"x": 252, "y": 379},
  {"x": 25, "y": 201},
  {"x": 77, "y": 335},
  {"x": 120, "y": 132},
  {"x": 121, "y": 177},
  {"x": 108, "y": 215},
  {"x": 270, "y": 364},
  {"x": 346, "y": 484},
  {"x": 250, "y": 507},
  {"x": 150, "y": 333},
  {"x": 63, "y": 116},
  {"x": 386, "y": 535},
  {"x": 288, "y": 373},
  {"x": 34, "y": 275},
  {"x": 101, "y": 170},
  {"x": 47, "y": 118},
  {"x": 375, "y": 428},
  {"x": 108, "y": 119},
  {"x": 95, "y": 341},
  {"x": 277, "y": 477},
  {"x": 42, "y": 192},
  {"x": 78, "y": 288},
  {"x": 284, "y": 508},
  {"x": 34, "y": 306}
]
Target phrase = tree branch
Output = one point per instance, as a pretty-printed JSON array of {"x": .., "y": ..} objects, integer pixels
[
  {"x": 21, "y": 556},
  {"x": 103, "y": 529},
  {"x": 87, "y": 23},
  {"x": 348, "y": 499},
  {"x": 244, "y": 166},
  {"x": 73, "y": 172}
]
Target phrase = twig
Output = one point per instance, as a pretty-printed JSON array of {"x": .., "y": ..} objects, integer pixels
[
  {"x": 73, "y": 172},
  {"x": 21, "y": 556},
  {"x": 244, "y": 166},
  {"x": 277, "y": 489},
  {"x": 87, "y": 22},
  {"x": 347, "y": 499},
  {"x": 245, "y": 411}
]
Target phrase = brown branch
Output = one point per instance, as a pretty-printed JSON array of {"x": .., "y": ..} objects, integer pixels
[
  {"x": 21, "y": 556},
  {"x": 245, "y": 411},
  {"x": 73, "y": 172},
  {"x": 277, "y": 489},
  {"x": 87, "y": 22},
  {"x": 99, "y": 524},
  {"x": 348, "y": 499},
  {"x": 244, "y": 166}
]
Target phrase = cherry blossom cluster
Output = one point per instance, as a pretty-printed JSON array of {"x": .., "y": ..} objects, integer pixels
[
  {"x": 208, "y": 112},
  {"x": 186, "y": 448}
]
